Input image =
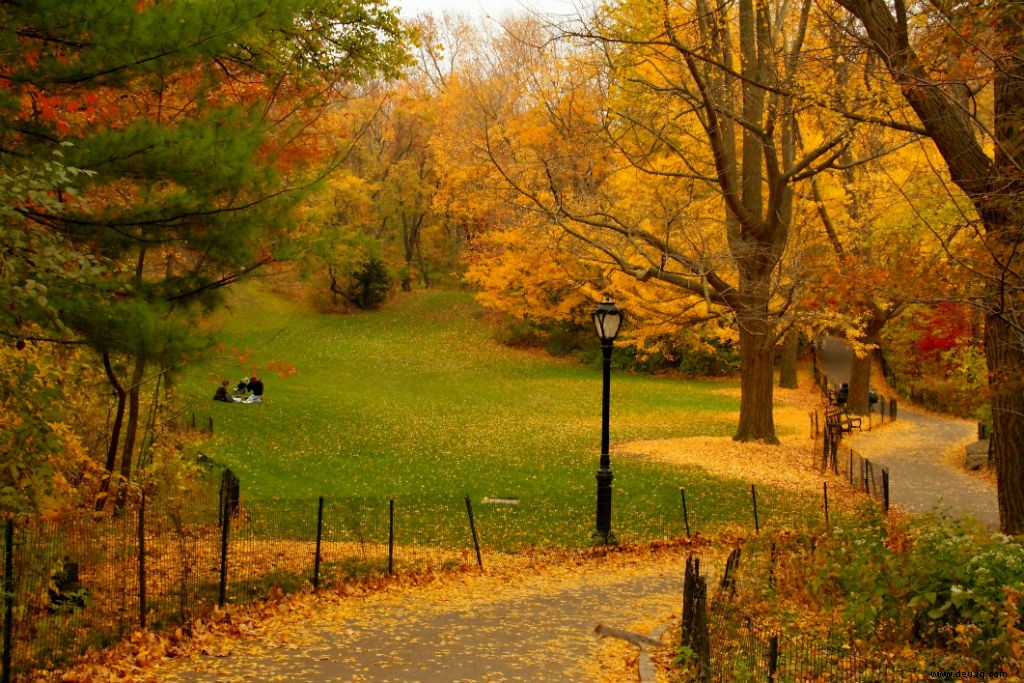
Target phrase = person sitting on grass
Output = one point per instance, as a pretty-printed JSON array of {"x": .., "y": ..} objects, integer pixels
[
  {"x": 222, "y": 393},
  {"x": 255, "y": 385}
]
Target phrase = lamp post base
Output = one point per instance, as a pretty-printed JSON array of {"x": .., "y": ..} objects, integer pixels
[{"x": 603, "y": 533}]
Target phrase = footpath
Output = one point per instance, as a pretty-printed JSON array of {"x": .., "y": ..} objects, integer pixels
[
  {"x": 534, "y": 627},
  {"x": 921, "y": 452}
]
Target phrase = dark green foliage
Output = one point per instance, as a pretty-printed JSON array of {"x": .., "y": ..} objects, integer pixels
[
  {"x": 719, "y": 358},
  {"x": 370, "y": 284}
]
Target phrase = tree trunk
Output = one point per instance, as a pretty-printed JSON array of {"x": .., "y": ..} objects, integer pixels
[
  {"x": 757, "y": 337},
  {"x": 131, "y": 429},
  {"x": 115, "y": 433},
  {"x": 860, "y": 382},
  {"x": 788, "y": 360},
  {"x": 996, "y": 188},
  {"x": 858, "y": 400},
  {"x": 757, "y": 422},
  {"x": 1005, "y": 363}
]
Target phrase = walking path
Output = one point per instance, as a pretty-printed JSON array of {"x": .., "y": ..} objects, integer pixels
[
  {"x": 538, "y": 626},
  {"x": 917, "y": 453}
]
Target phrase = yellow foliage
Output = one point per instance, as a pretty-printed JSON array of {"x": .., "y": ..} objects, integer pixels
[{"x": 44, "y": 454}]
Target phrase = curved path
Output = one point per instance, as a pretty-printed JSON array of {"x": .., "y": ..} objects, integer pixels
[
  {"x": 534, "y": 625},
  {"x": 921, "y": 479},
  {"x": 537, "y": 624}
]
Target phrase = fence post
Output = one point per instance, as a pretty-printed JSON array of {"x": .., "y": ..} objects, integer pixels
[
  {"x": 224, "y": 531},
  {"x": 686, "y": 515},
  {"x": 230, "y": 494},
  {"x": 391, "y": 536},
  {"x": 694, "y": 627},
  {"x": 753, "y": 497},
  {"x": 142, "y": 561},
  {"x": 885, "y": 488},
  {"x": 703, "y": 648},
  {"x": 773, "y": 657},
  {"x": 319, "y": 539},
  {"x": 824, "y": 489},
  {"x": 5, "y": 663},
  {"x": 472, "y": 528}
]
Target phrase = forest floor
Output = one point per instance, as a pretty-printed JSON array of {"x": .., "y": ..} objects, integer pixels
[{"x": 531, "y": 622}]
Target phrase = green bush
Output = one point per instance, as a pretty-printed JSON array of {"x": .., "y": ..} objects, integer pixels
[
  {"x": 932, "y": 581},
  {"x": 370, "y": 284}
]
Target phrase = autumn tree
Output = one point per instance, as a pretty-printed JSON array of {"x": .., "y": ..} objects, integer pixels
[
  {"x": 954, "y": 63},
  {"x": 664, "y": 142},
  {"x": 195, "y": 123}
]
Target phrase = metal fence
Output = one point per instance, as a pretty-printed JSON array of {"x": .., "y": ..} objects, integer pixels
[
  {"x": 84, "y": 581},
  {"x": 725, "y": 645}
]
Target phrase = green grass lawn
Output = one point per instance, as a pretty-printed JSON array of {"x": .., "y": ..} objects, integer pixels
[{"x": 418, "y": 401}]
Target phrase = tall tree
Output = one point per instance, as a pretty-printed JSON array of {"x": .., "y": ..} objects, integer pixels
[
  {"x": 695, "y": 107},
  {"x": 948, "y": 58}
]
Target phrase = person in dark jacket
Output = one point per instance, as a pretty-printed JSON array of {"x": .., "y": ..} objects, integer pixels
[{"x": 255, "y": 386}]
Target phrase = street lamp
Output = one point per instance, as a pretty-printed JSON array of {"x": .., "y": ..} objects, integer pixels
[{"x": 607, "y": 319}]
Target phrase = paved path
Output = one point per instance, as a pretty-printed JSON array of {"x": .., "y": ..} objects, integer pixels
[
  {"x": 921, "y": 478},
  {"x": 537, "y": 627}
]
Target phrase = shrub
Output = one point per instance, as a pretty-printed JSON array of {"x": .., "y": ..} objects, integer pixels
[
  {"x": 370, "y": 284},
  {"x": 933, "y": 581}
]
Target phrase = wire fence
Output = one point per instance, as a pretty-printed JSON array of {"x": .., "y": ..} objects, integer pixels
[
  {"x": 725, "y": 645},
  {"x": 85, "y": 581}
]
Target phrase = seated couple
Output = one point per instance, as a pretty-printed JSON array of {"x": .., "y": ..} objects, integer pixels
[{"x": 247, "y": 391}]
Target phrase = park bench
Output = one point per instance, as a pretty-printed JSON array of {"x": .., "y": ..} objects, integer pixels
[{"x": 839, "y": 419}]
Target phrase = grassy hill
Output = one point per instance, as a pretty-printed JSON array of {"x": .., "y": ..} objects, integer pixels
[{"x": 418, "y": 400}]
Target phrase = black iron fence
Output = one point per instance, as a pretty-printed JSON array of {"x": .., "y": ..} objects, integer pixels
[
  {"x": 85, "y": 581},
  {"x": 722, "y": 644}
]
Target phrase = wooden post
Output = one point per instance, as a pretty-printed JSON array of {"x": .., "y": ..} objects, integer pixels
[
  {"x": 222, "y": 595},
  {"x": 773, "y": 657},
  {"x": 5, "y": 662},
  {"x": 753, "y": 498},
  {"x": 824, "y": 489},
  {"x": 391, "y": 536},
  {"x": 142, "y": 561},
  {"x": 885, "y": 488},
  {"x": 686, "y": 515}
]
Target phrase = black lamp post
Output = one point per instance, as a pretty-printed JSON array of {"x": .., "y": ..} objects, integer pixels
[{"x": 607, "y": 319}]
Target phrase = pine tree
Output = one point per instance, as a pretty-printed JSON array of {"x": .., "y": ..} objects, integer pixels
[{"x": 194, "y": 122}]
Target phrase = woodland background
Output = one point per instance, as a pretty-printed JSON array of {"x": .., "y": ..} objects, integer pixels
[{"x": 739, "y": 177}]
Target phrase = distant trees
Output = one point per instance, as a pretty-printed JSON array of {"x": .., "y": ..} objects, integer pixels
[{"x": 659, "y": 154}]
